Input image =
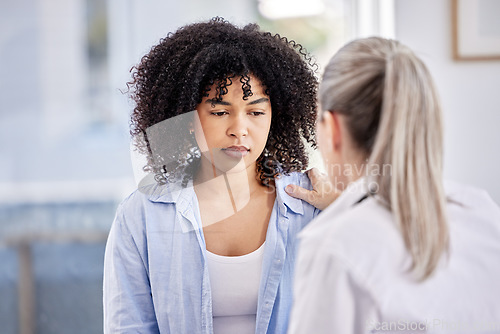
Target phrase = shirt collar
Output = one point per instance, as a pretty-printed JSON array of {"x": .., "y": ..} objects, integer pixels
[
  {"x": 294, "y": 204},
  {"x": 172, "y": 192},
  {"x": 353, "y": 194},
  {"x": 175, "y": 193}
]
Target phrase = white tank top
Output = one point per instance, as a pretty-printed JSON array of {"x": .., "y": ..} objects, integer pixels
[{"x": 235, "y": 282}]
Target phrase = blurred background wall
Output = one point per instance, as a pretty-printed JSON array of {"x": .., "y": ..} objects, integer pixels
[
  {"x": 65, "y": 160},
  {"x": 469, "y": 90}
]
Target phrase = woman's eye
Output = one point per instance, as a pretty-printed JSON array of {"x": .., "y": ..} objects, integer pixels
[
  {"x": 218, "y": 113},
  {"x": 257, "y": 113}
]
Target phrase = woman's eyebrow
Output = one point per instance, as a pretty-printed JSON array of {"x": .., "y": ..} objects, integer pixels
[
  {"x": 225, "y": 103},
  {"x": 215, "y": 102},
  {"x": 261, "y": 100}
]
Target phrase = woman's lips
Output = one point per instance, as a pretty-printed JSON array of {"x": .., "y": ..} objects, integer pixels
[{"x": 236, "y": 151}]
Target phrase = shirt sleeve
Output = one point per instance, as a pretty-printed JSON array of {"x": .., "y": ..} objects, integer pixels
[
  {"x": 127, "y": 301},
  {"x": 328, "y": 298}
]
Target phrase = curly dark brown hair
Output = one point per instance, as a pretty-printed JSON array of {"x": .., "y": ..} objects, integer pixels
[{"x": 177, "y": 73}]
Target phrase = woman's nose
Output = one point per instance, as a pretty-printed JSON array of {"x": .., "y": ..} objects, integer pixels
[{"x": 238, "y": 127}]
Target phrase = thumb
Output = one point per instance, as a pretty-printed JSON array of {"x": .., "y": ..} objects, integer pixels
[{"x": 300, "y": 193}]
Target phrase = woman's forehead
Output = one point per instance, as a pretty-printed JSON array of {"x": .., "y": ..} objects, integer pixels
[{"x": 249, "y": 83}]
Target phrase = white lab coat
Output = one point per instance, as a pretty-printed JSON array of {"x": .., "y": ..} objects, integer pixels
[{"x": 351, "y": 273}]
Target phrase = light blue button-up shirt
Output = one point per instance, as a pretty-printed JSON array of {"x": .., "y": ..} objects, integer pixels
[{"x": 155, "y": 270}]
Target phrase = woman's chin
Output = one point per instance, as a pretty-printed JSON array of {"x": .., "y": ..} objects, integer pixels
[
  {"x": 231, "y": 168},
  {"x": 222, "y": 164}
]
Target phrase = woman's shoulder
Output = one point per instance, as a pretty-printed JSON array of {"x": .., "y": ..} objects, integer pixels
[
  {"x": 360, "y": 236},
  {"x": 298, "y": 178},
  {"x": 362, "y": 224},
  {"x": 149, "y": 191},
  {"x": 368, "y": 230},
  {"x": 140, "y": 197},
  {"x": 469, "y": 196},
  {"x": 295, "y": 204},
  {"x": 151, "y": 202}
]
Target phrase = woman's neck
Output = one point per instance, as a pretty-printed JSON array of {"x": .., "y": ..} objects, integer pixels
[
  {"x": 240, "y": 183},
  {"x": 222, "y": 195}
]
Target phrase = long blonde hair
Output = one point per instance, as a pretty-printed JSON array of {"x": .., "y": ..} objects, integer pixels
[{"x": 393, "y": 114}]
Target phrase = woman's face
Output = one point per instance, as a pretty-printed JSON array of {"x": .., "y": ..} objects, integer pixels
[
  {"x": 325, "y": 132},
  {"x": 323, "y": 139},
  {"x": 232, "y": 133}
]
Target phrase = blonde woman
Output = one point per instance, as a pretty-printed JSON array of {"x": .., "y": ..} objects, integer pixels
[{"x": 399, "y": 250}]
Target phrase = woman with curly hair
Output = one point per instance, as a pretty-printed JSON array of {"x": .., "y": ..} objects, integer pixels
[{"x": 222, "y": 114}]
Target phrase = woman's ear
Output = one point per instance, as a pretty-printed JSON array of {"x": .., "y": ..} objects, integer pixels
[{"x": 332, "y": 130}]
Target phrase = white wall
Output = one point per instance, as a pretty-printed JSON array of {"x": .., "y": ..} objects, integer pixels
[{"x": 470, "y": 94}]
